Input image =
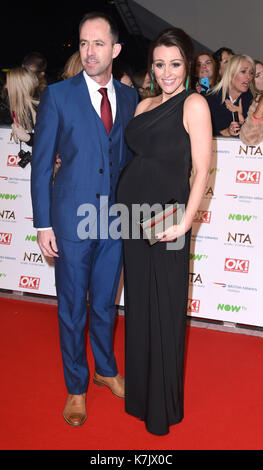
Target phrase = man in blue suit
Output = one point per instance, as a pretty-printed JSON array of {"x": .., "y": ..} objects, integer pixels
[{"x": 85, "y": 125}]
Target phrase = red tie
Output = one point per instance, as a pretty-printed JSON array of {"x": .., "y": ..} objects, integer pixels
[{"x": 105, "y": 109}]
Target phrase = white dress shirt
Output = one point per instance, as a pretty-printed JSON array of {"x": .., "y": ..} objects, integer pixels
[{"x": 96, "y": 97}]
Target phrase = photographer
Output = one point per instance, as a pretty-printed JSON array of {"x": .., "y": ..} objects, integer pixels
[{"x": 21, "y": 85}]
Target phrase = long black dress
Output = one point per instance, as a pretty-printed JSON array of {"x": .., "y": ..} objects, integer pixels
[{"x": 155, "y": 279}]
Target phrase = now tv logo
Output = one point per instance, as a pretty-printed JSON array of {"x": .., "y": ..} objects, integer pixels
[
  {"x": 12, "y": 160},
  {"x": 247, "y": 176},
  {"x": 241, "y": 217},
  {"x": 29, "y": 282},
  {"x": 193, "y": 305},
  {"x": 229, "y": 308},
  {"x": 5, "y": 238},
  {"x": 236, "y": 265}
]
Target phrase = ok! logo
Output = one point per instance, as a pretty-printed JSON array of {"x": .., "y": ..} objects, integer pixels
[
  {"x": 193, "y": 305},
  {"x": 248, "y": 177},
  {"x": 12, "y": 160},
  {"x": 203, "y": 217},
  {"x": 5, "y": 238},
  {"x": 236, "y": 265},
  {"x": 29, "y": 282}
]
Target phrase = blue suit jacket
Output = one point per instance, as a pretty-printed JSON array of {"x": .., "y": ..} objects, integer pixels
[{"x": 66, "y": 124}]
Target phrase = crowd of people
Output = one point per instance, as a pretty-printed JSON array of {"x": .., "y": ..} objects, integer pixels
[
  {"x": 232, "y": 84},
  {"x": 134, "y": 140}
]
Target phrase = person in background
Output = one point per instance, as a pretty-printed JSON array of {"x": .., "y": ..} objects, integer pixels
[
  {"x": 21, "y": 85},
  {"x": 252, "y": 130},
  {"x": 204, "y": 67},
  {"x": 142, "y": 81},
  {"x": 230, "y": 99},
  {"x": 222, "y": 57},
  {"x": 5, "y": 115},
  {"x": 123, "y": 73},
  {"x": 73, "y": 66},
  {"x": 36, "y": 63}
]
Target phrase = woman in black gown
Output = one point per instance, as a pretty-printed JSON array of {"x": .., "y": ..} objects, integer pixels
[{"x": 170, "y": 133}]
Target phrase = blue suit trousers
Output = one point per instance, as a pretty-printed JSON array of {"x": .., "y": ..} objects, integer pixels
[{"x": 92, "y": 266}]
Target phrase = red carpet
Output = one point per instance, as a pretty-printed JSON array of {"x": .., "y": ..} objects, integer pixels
[{"x": 223, "y": 391}]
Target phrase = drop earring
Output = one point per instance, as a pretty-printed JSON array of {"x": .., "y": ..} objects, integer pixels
[
  {"x": 187, "y": 83},
  {"x": 152, "y": 80}
]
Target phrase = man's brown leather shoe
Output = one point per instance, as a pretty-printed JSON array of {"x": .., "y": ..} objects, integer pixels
[
  {"x": 75, "y": 410},
  {"x": 115, "y": 384}
]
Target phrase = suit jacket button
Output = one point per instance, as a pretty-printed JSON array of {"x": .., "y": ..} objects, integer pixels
[
  {"x": 101, "y": 170},
  {"x": 97, "y": 195}
]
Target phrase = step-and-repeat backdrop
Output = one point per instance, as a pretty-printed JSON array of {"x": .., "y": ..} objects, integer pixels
[{"x": 225, "y": 280}]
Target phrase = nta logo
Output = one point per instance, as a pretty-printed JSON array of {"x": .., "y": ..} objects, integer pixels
[
  {"x": 239, "y": 238},
  {"x": 236, "y": 265},
  {"x": 250, "y": 150},
  {"x": 249, "y": 177},
  {"x": 29, "y": 282},
  {"x": 33, "y": 257},
  {"x": 193, "y": 278},
  {"x": 5, "y": 214}
]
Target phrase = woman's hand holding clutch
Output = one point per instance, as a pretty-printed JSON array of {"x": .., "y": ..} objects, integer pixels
[{"x": 172, "y": 233}]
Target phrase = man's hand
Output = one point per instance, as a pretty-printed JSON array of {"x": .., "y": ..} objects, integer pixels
[{"x": 47, "y": 243}]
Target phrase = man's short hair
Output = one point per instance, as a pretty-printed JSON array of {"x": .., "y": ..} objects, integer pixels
[{"x": 97, "y": 14}]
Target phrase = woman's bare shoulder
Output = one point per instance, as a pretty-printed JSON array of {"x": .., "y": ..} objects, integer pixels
[
  {"x": 195, "y": 99},
  {"x": 146, "y": 105}
]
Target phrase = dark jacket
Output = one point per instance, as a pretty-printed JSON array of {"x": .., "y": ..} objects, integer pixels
[{"x": 221, "y": 116}]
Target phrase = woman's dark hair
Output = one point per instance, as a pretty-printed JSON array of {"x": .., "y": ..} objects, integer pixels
[
  {"x": 218, "y": 56},
  {"x": 94, "y": 15},
  {"x": 174, "y": 37}
]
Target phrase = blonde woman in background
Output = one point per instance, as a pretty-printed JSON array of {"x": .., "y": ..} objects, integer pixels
[
  {"x": 252, "y": 130},
  {"x": 231, "y": 98},
  {"x": 21, "y": 85},
  {"x": 73, "y": 66}
]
